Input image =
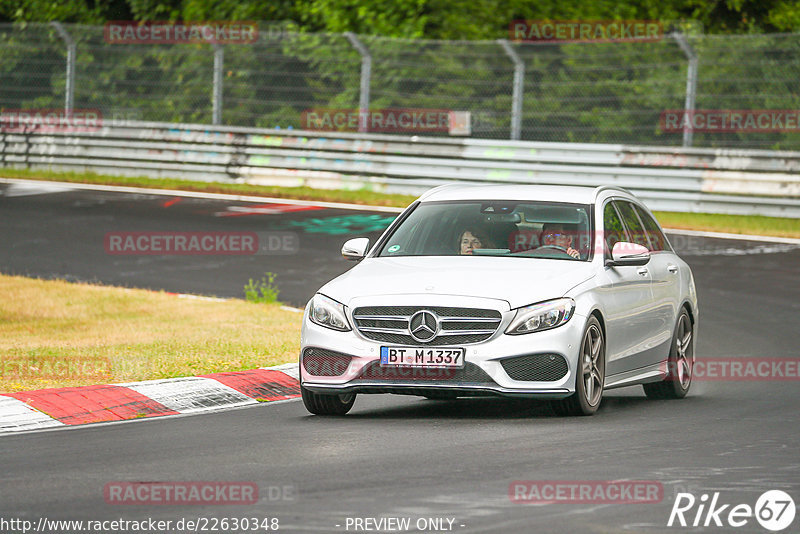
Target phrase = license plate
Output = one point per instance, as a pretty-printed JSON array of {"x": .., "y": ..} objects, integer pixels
[{"x": 423, "y": 357}]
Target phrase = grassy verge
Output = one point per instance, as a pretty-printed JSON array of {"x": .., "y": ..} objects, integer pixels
[
  {"x": 734, "y": 224},
  {"x": 57, "y": 334}
]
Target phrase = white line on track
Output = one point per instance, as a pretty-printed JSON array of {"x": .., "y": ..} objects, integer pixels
[
  {"x": 200, "y": 194},
  {"x": 743, "y": 237}
]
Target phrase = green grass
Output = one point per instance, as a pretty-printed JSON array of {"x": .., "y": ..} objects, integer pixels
[
  {"x": 58, "y": 334},
  {"x": 734, "y": 224}
]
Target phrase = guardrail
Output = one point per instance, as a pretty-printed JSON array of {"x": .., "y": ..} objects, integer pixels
[{"x": 699, "y": 180}]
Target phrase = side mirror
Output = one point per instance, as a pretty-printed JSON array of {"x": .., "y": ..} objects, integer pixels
[
  {"x": 625, "y": 253},
  {"x": 355, "y": 249}
]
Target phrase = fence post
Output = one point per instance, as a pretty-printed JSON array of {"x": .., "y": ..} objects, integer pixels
[
  {"x": 366, "y": 75},
  {"x": 691, "y": 86},
  {"x": 516, "y": 97},
  {"x": 219, "y": 60},
  {"x": 69, "y": 101}
]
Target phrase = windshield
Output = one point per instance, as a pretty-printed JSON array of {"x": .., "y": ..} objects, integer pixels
[{"x": 493, "y": 228}]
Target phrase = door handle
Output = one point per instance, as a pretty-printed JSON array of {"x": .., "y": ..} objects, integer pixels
[
  {"x": 672, "y": 268},
  {"x": 643, "y": 271}
]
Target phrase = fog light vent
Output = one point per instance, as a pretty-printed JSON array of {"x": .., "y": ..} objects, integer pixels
[
  {"x": 536, "y": 367},
  {"x": 323, "y": 362}
]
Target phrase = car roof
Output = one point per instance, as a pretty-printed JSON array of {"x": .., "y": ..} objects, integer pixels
[{"x": 546, "y": 193}]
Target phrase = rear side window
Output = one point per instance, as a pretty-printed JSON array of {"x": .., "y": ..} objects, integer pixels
[
  {"x": 657, "y": 239},
  {"x": 631, "y": 220},
  {"x": 614, "y": 231}
]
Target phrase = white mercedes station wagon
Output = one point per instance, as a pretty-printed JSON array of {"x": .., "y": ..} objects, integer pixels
[{"x": 540, "y": 292}]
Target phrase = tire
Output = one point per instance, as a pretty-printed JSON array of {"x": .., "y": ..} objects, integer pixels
[
  {"x": 589, "y": 376},
  {"x": 680, "y": 363},
  {"x": 320, "y": 404}
]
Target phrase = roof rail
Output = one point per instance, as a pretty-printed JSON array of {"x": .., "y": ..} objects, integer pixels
[
  {"x": 601, "y": 188},
  {"x": 438, "y": 188}
]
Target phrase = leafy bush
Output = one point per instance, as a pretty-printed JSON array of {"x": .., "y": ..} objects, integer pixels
[{"x": 264, "y": 291}]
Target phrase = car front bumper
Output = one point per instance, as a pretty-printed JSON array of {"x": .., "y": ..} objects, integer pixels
[{"x": 358, "y": 368}]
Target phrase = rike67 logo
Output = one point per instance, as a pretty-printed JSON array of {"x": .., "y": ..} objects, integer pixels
[{"x": 774, "y": 510}]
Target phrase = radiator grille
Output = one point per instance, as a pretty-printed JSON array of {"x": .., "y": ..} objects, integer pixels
[{"x": 455, "y": 326}]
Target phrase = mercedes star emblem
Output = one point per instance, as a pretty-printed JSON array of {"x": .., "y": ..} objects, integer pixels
[{"x": 423, "y": 325}]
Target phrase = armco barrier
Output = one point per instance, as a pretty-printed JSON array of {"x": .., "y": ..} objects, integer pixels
[{"x": 698, "y": 180}]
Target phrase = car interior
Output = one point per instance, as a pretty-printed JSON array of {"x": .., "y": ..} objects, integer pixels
[{"x": 509, "y": 228}]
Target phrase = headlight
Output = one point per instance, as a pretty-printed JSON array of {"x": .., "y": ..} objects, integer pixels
[
  {"x": 541, "y": 316},
  {"x": 327, "y": 312}
]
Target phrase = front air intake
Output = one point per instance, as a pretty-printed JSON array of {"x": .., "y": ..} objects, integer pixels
[
  {"x": 470, "y": 373},
  {"x": 536, "y": 367},
  {"x": 323, "y": 362}
]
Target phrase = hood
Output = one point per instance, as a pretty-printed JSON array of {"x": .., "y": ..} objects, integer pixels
[{"x": 518, "y": 281}]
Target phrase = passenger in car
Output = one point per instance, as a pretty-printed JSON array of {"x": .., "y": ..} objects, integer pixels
[{"x": 471, "y": 238}]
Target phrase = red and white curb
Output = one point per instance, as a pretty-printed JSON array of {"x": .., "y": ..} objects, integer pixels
[{"x": 59, "y": 407}]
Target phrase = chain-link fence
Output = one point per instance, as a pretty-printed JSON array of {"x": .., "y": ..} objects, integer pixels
[{"x": 573, "y": 92}]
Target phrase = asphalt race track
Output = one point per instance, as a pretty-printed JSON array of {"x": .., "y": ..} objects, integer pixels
[
  {"x": 63, "y": 235},
  {"x": 396, "y": 456}
]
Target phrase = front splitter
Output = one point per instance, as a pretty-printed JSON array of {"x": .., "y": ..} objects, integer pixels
[{"x": 466, "y": 390}]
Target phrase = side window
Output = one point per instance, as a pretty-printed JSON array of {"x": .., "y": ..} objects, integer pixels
[
  {"x": 632, "y": 223},
  {"x": 654, "y": 233},
  {"x": 614, "y": 230}
]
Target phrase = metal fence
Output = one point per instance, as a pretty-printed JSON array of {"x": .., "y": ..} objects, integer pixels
[
  {"x": 576, "y": 92},
  {"x": 702, "y": 180}
]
